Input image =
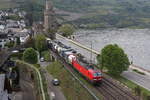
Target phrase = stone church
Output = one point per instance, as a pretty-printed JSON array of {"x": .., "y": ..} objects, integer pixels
[{"x": 50, "y": 21}]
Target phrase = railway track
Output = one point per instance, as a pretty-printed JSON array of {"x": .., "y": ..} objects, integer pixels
[
  {"x": 111, "y": 91},
  {"x": 108, "y": 89}
]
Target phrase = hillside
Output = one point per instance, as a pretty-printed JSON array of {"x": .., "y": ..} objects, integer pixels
[
  {"x": 109, "y": 13},
  {"x": 91, "y": 13},
  {"x": 4, "y": 4}
]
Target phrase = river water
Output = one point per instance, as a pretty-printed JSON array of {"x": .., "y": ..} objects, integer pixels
[{"x": 135, "y": 42}]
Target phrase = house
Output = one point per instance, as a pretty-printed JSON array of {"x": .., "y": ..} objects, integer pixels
[
  {"x": 3, "y": 92},
  {"x": 2, "y": 27},
  {"x": 3, "y": 39},
  {"x": 23, "y": 36},
  {"x": 12, "y": 25}
]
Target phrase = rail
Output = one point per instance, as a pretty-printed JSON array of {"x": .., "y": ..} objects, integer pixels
[{"x": 115, "y": 92}]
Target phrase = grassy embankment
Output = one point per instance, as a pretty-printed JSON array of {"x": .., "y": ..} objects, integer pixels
[{"x": 70, "y": 87}]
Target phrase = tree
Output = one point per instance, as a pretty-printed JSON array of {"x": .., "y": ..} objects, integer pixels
[
  {"x": 46, "y": 55},
  {"x": 18, "y": 41},
  {"x": 52, "y": 33},
  {"x": 10, "y": 44},
  {"x": 30, "y": 56},
  {"x": 114, "y": 59},
  {"x": 40, "y": 42},
  {"x": 66, "y": 30}
]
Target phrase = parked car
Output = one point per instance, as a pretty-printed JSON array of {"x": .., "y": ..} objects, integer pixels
[
  {"x": 15, "y": 51},
  {"x": 55, "y": 82},
  {"x": 42, "y": 59}
]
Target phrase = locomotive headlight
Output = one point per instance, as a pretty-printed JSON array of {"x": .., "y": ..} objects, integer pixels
[{"x": 94, "y": 79}]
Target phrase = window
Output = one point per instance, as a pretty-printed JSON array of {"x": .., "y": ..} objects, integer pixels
[{"x": 97, "y": 74}]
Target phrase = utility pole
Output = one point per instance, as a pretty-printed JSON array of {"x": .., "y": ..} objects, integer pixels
[{"x": 91, "y": 53}]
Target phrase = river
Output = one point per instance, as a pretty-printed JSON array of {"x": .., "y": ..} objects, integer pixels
[{"x": 135, "y": 42}]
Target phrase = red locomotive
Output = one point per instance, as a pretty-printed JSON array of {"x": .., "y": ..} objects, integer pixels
[{"x": 81, "y": 65}]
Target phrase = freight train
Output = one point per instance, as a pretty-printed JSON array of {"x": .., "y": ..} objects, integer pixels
[{"x": 77, "y": 62}]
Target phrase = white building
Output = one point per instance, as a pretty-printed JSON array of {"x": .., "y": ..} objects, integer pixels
[{"x": 23, "y": 36}]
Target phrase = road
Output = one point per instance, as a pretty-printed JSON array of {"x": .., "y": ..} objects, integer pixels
[
  {"x": 51, "y": 88},
  {"x": 142, "y": 80}
]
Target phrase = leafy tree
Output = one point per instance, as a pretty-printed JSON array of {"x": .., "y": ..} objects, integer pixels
[
  {"x": 18, "y": 41},
  {"x": 114, "y": 59},
  {"x": 10, "y": 44},
  {"x": 40, "y": 42},
  {"x": 46, "y": 55},
  {"x": 98, "y": 63},
  {"x": 30, "y": 56},
  {"x": 66, "y": 30}
]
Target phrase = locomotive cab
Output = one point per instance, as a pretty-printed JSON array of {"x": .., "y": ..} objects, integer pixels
[{"x": 96, "y": 76}]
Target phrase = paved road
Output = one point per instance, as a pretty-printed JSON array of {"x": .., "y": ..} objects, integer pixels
[
  {"x": 51, "y": 88},
  {"x": 142, "y": 80},
  {"x": 136, "y": 78}
]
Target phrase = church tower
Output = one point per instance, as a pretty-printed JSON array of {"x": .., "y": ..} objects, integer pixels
[{"x": 50, "y": 22}]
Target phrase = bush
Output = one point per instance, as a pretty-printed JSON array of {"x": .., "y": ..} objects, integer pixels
[
  {"x": 46, "y": 55},
  {"x": 66, "y": 30},
  {"x": 135, "y": 70},
  {"x": 17, "y": 55},
  {"x": 40, "y": 42},
  {"x": 138, "y": 90},
  {"x": 30, "y": 56},
  {"x": 10, "y": 44}
]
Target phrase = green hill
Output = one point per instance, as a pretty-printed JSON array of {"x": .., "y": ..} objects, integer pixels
[
  {"x": 109, "y": 13},
  {"x": 95, "y": 13}
]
